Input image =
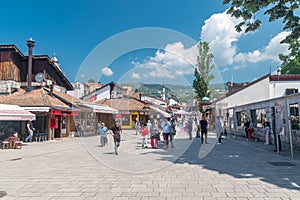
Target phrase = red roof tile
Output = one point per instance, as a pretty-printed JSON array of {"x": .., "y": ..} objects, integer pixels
[
  {"x": 285, "y": 77},
  {"x": 37, "y": 97},
  {"x": 123, "y": 104}
]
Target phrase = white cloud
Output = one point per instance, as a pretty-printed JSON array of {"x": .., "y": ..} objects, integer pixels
[
  {"x": 135, "y": 76},
  {"x": 219, "y": 31},
  {"x": 269, "y": 52},
  {"x": 221, "y": 35},
  {"x": 107, "y": 71},
  {"x": 237, "y": 67},
  {"x": 174, "y": 60},
  {"x": 225, "y": 69}
]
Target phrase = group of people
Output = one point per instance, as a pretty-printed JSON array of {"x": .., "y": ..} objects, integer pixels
[
  {"x": 249, "y": 129},
  {"x": 6, "y": 132},
  {"x": 167, "y": 128},
  {"x": 115, "y": 131}
]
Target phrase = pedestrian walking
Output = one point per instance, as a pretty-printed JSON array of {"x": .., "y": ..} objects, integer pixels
[
  {"x": 154, "y": 131},
  {"x": 103, "y": 134},
  {"x": 82, "y": 126},
  {"x": 172, "y": 130},
  {"x": 278, "y": 130},
  {"x": 250, "y": 131},
  {"x": 198, "y": 129},
  {"x": 30, "y": 129},
  {"x": 203, "y": 126},
  {"x": 166, "y": 130},
  {"x": 116, "y": 132},
  {"x": 137, "y": 126},
  {"x": 190, "y": 127},
  {"x": 267, "y": 132},
  {"x": 219, "y": 129},
  {"x": 246, "y": 126},
  {"x": 144, "y": 132}
]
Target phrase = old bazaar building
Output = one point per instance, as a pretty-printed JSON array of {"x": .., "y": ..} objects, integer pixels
[
  {"x": 45, "y": 73},
  {"x": 14, "y": 71},
  {"x": 129, "y": 109},
  {"x": 46, "y": 106},
  {"x": 115, "y": 96},
  {"x": 272, "y": 98}
]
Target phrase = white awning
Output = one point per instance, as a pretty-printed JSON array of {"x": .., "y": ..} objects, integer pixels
[
  {"x": 15, "y": 113},
  {"x": 37, "y": 109},
  {"x": 97, "y": 108},
  {"x": 182, "y": 112},
  {"x": 160, "y": 111}
]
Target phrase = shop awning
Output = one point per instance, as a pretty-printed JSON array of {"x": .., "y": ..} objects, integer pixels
[
  {"x": 14, "y": 113},
  {"x": 97, "y": 108},
  {"x": 37, "y": 109},
  {"x": 181, "y": 112},
  {"x": 160, "y": 111},
  {"x": 64, "y": 112}
]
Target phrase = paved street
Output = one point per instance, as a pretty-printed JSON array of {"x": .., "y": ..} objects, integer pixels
[{"x": 77, "y": 168}]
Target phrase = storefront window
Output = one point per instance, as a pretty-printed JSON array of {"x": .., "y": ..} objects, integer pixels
[
  {"x": 260, "y": 117},
  {"x": 253, "y": 117},
  {"x": 241, "y": 118},
  {"x": 294, "y": 112},
  {"x": 63, "y": 122},
  {"x": 125, "y": 120}
]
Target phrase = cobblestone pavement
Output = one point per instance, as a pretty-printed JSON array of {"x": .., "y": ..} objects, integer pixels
[{"x": 77, "y": 168}]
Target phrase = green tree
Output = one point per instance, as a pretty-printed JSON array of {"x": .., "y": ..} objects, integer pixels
[
  {"x": 205, "y": 62},
  {"x": 203, "y": 71},
  {"x": 275, "y": 9},
  {"x": 291, "y": 63},
  {"x": 200, "y": 86}
]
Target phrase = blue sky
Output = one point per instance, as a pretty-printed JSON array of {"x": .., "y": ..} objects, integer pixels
[{"x": 73, "y": 30}]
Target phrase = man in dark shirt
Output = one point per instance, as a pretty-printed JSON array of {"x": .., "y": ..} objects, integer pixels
[
  {"x": 247, "y": 125},
  {"x": 203, "y": 126},
  {"x": 116, "y": 132}
]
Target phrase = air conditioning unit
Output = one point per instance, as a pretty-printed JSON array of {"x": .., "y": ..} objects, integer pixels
[
  {"x": 48, "y": 82},
  {"x": 113, "y": 94}
]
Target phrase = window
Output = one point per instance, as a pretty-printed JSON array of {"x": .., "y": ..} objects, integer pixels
[
  {"x": 294, "y": 112},
  {"x": 253, "y": 117},
  {"x": 240, "y": 118},
  {"x": 125, "y": 120},
  {"x": 260, "y": 117}
]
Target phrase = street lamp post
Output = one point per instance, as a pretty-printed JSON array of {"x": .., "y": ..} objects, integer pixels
[{"x": 30, "y": 44}]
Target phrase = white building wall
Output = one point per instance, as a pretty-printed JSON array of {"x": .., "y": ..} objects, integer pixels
[
  {"x": 256, "y": 92},
  {"x": 153, "y": 100},
  {"x": 79, "y": 90},
  {"x": 277, "y": 88}
]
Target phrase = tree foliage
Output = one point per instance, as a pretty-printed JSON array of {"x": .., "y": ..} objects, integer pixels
[
  {"x": 203, "y": 71},
  {"x": 275, "y": 9},
  {"x": 291, "y": 62},
  {"x": 200, "y": 86},
  {"x": 205, "y": 62}
]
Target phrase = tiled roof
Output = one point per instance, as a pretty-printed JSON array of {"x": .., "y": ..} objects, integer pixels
[
  {"x": 123, "y": 104},
  {"x": 37, "y": 97},
  {"x": 68, "y": 97},
  {"x": 285, "y": 77}
]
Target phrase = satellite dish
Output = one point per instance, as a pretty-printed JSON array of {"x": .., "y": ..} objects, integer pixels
[{"x": 39, "y": 77}]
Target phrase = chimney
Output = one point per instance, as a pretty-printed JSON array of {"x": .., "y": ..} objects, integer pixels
[{"x": 30, "y": 44}]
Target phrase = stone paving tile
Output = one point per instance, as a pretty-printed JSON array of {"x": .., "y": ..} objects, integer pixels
[{"x": 67, "y": 170}]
